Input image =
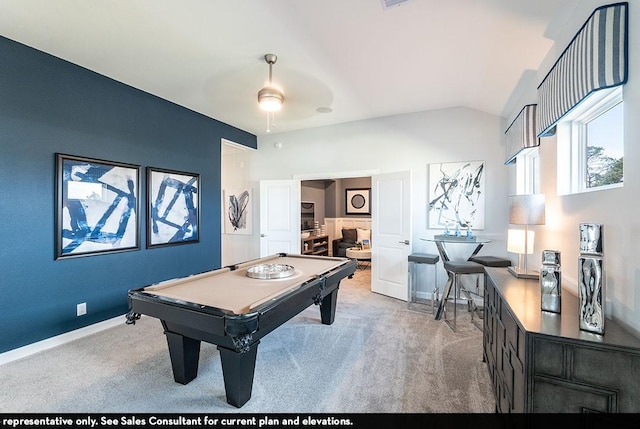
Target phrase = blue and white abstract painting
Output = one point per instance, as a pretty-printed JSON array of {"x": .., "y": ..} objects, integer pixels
[
  {"x": 238, "y": 209},
  {"x": 173, "y": 207},
  {"x": 97, "y": 206}
]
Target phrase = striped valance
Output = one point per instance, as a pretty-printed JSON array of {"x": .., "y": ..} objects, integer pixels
[
  {"x": 595, "y": 59},
  {"x": 521, "y": 134}
]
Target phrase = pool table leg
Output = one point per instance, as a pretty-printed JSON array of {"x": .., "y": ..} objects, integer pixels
[
  {"x": 184, "y": 353},
  {"x": 328, "y": 307},
  {"x": 237, "y": 371}
]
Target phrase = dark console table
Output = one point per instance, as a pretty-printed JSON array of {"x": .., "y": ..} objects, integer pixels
[{"x": 542, "y": 362}]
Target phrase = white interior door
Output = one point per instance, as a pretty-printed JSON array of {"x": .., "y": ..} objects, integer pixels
[
  {"x": 391, "y": 232},
  {"x": 279, "y": 217}
]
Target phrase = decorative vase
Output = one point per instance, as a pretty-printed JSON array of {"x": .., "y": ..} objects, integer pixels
[
  {"x": 550, "y": 281},
  {"x": 591, "y": 279}
]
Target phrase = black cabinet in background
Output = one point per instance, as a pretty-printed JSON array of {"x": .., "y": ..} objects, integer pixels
[{"x": 541, "y": 362}]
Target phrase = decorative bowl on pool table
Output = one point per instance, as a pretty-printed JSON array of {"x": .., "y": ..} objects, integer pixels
[{"x": 270, "y": 271}]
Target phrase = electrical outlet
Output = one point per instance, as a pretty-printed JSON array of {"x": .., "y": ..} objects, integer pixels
[{"x": 81, "y": 309}]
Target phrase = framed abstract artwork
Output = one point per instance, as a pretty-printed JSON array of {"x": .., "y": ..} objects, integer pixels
[
  {"x": 173, "y": 202},
  {"x": 237, "y": 212},
  {"x": 357, "y": 201},
  {"x": 456, "y": 195},
  {"x": 97, "y": 206}
]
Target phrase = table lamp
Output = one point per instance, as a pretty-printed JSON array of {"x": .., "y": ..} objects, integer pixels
[{"x": 524, "y": 210}]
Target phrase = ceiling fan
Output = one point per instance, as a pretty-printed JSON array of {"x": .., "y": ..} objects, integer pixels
[
  {"x": 299, "y": 95},
  {"x": 270, "y": 98}
]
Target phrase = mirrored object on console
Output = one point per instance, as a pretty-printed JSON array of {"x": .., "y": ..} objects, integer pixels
[
  {"x": 550, "y": 281},
  {"x": 591, "y": 238}
]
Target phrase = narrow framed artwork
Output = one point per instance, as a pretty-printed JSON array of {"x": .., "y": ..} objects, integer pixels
[
  {"x": 237, "y": 212},
  {"x": 357, "y": 201},
  {"x": 97, "y": 205},
  {"x": 456, "y": 195},
  {"x": 173, "y": 201}
]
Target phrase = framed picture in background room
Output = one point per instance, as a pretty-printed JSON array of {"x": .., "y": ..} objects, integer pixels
[{"x": 357, "y": 201}]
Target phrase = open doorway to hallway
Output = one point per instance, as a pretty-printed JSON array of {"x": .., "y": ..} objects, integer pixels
[
  {"x": 332, "y": 215},
  {"x": 236, "y": 245},
  {"x": 330, "y": 204}
]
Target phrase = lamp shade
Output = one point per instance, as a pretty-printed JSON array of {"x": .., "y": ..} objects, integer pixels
[
  {"x": 527, "y": 209},
  {"x": 516, "y": 241}
]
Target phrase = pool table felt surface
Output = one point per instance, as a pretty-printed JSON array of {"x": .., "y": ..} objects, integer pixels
[{"x": 234, "y": 291}]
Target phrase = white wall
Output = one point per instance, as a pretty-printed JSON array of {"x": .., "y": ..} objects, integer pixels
[
  {"x": 617, "y": 209},
  {"x": 236, "y": 167},
  {"x": 399, "y": 143},
  {"x": 412, "y": 141}
]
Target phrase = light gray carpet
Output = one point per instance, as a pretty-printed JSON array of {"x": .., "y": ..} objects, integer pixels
[{"x": 378, "y": 356}]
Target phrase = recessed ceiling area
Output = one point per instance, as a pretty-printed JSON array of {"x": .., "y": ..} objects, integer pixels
[{"x": 338, "y": 61}]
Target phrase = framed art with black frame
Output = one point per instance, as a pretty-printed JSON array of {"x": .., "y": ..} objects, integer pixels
[
  {"x": 357, "y": 201},
  {"x": 96, "y": 206},
  {"x": 173, "y": 203}
]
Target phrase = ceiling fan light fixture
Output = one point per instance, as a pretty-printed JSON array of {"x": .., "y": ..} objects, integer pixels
[{"x": 270, "y": 99}]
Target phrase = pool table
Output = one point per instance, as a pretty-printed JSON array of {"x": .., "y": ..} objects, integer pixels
[{"x": 232, "y": 309}]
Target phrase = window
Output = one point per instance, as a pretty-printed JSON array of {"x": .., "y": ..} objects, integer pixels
[
  {"x": 591, "y": 144},
  {"x": 528, "y": 172}
]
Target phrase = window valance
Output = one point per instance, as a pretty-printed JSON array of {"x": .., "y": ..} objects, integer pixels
[
  {"x": 595, "y": 59},
  {"x": 521, "y": 134}
]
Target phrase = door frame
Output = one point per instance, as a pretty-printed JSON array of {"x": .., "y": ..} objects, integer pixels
[
  {"x": 235, "y": 247},
  {"x": 335, "y": 175}
]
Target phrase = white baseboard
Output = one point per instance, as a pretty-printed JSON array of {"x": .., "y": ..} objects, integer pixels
[
  {"x": 34, "y": 348},
  {"x": 425, "y": 296}
]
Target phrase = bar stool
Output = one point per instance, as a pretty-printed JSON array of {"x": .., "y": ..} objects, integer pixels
[
  {"x": 423, "y": 258},
  {"x": 455, "y": 269},
  {"x": 487, "y": 261},
  {"x": 491, "y": 261}
]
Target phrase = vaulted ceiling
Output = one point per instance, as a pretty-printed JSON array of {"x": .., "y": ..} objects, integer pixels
[{"x": 357, "y": 58}]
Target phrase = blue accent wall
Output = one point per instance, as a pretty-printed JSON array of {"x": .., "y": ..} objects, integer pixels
[{"x": 49, "y": 106}]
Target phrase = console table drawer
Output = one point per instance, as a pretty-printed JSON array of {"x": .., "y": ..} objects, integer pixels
[
  {"x": 514, "y": 337},
  {"x": 604, "y": 375},
  {"x": 548, "y": 357},
  {"x": 558, "y": 396}
]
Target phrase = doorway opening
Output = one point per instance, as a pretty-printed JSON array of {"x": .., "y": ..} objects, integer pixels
[
  {"x": 235, "y": 180},
  {"x": 327, "y": 196},
  {"x": 329, "y": 200}
]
